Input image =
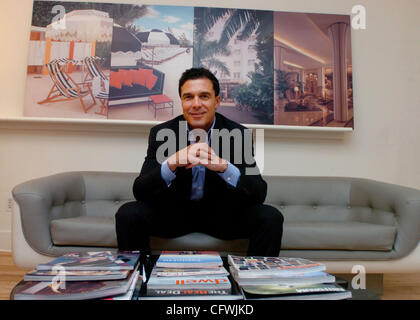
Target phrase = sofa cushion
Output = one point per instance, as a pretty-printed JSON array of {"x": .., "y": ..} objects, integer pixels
[
  {"x": 338, "y": 235},
  {"x": 127, "y": 77},
  {"x": 139, "y": 77},
  {"x": 100, "y": 232},
  {"x": 151, "y": 81},
  {"x": 315, "y": 235},
  {"x": 116, "y": 80},
  {"x": 84, "y": 231}
]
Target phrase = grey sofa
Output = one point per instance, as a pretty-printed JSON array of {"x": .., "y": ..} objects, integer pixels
[{"x": 342, "y": 222}]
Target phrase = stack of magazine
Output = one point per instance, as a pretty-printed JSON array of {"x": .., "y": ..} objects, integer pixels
[
  {"x": 189, "y": 275},
  {"x": 81, "y": 276},
  {"x": 284, "y": 278}
]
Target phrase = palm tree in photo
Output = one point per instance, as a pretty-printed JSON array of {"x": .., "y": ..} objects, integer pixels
[
  {"x": 206, "y": 52},
  {"x": 206, "y": 18},
  {"x": 241, "y": 24},
  {"x": 247, "y": 22}
]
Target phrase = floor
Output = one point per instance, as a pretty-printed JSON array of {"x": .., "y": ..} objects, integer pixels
[
  {"x": 395, "y": 286},
  {"x": 10, "y": 275}
]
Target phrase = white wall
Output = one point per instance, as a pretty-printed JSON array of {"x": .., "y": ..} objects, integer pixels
[{"x": 384, "y": 145}]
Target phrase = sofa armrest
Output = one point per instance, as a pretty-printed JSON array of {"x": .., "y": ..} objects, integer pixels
[
  {"x": 402, "y": 202},
  {"x": 44, "y": 199}
]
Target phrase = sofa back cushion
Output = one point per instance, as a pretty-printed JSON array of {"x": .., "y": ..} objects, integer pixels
[
  {"x": 106, "y": 192},
  {"x": 116, "y": 79},
  {"x": 324, "y": 199}
]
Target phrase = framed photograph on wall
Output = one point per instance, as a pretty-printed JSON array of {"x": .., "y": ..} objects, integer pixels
[
  {"x": 111, "y": 61},
  {"x": 313, "y": 70}
]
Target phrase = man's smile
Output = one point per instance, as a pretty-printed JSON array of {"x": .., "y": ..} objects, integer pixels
[{"x": 197, "y": 114}]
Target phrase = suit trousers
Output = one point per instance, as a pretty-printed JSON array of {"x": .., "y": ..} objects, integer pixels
[{"x": 262, "y": 224}]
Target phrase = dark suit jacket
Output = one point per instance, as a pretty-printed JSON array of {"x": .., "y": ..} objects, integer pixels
[{"x": 150, "y": 187}]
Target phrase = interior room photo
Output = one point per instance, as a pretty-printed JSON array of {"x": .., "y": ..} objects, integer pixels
[{"x": 329, "y": 88}]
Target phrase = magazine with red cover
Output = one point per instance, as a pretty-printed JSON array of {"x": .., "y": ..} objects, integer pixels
[{"x": 192, "y": 282}]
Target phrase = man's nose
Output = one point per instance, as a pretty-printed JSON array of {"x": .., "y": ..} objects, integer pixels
[{"x": 196, "y": 101}]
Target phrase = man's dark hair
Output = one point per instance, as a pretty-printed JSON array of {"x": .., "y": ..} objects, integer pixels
[{"x": 199, "y": 73}]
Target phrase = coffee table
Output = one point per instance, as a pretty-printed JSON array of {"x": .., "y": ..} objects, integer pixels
[{"x": 141, "y": 294}]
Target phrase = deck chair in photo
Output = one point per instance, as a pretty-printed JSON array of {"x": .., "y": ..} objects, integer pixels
[
  {"x": 103, "y": 98},
  {"x": 64, "y": 87},
  {"x": 100, "y": 89},
  {"x": 93, "y": 68}
]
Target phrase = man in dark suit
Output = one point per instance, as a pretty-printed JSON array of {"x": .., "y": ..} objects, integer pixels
[{"x": 199, "y": 175}]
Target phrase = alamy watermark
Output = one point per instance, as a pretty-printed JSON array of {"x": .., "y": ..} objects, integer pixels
[
  {"x": 358, "y": 22},
  {"x": 358, "y": 282},
  {"x": 59, "y": 20},
  {"x": 59, "y": 280},
  {"x": 222, "y": 142}
]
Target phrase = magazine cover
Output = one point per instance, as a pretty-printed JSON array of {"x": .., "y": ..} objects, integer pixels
[
  {"x": 273, "y": 265},
  {"x": 137, "y": 282},
  {"x": 99, "y": 260},
  {"x": 201, "y": 282},
  {"x": 76, "y": 290},
  {"x": 189, "y": 259},
  {"x": 328, "y": 291},
  {"x": 191, "y": 254},
  {"x": 179, "y": 272},
  {"x": 296, "y": 289},
  {"x": 187, "y": 294},
  {"x": 299, "y": 279},
  {"x": 75, "y": 275}
]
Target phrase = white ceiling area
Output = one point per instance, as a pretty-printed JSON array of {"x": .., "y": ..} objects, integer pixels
[{"x": 305, "y": 36}]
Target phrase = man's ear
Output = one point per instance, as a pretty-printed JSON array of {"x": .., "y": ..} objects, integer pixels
[{"x": 217, "y": 102}]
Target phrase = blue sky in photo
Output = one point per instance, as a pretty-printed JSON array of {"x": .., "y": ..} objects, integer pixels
[{"x": 179, "y": 19}]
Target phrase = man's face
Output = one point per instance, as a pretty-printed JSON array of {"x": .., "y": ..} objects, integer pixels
[{"x": 199, "y": 103}]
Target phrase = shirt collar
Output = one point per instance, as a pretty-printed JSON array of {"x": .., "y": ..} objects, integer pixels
[{"x": 208, "y": 132}]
